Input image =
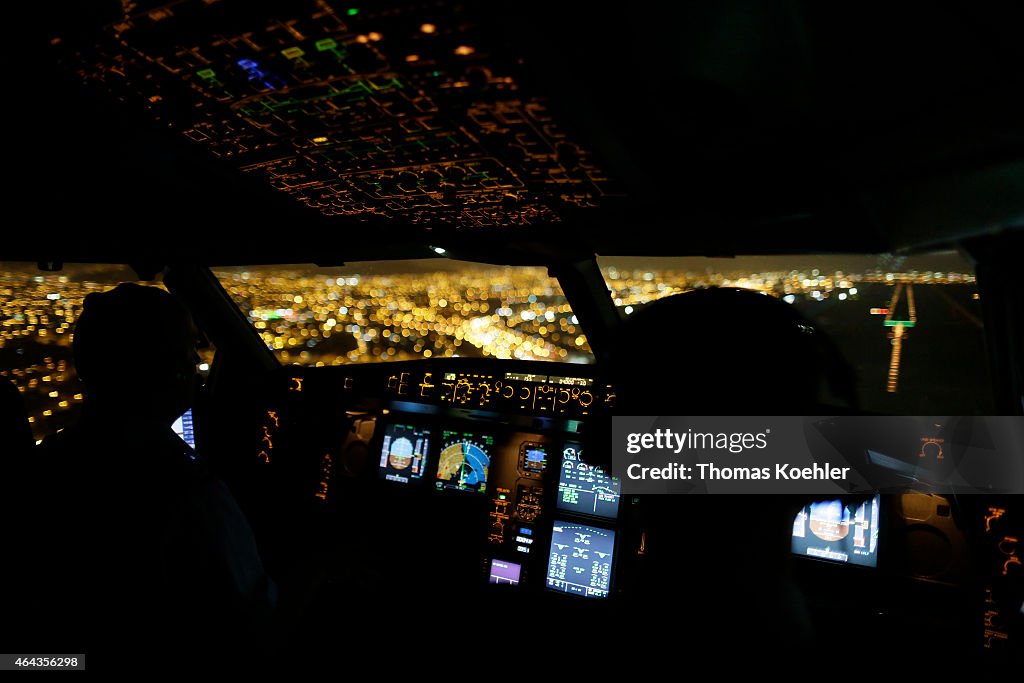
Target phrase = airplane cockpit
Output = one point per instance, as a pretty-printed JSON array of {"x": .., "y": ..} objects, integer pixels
[{"x": 433, "y": 250}]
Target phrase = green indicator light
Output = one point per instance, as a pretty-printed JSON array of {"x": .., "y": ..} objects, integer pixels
[
  {"x": 352, "y": 12},
  {"x": 206, "y": 74},
  {"x": 292, "y": 52},
  {"x": 437, "y": 73},
  {"x": 326, "y": 44},
  {"x": 894, "y": 323}
]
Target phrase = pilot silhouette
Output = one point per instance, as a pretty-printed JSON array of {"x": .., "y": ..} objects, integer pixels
[
  {"x": 723, "y": 560},
  {"x": 15, "y": 449},
  {"x": 148, "y": 556},
  {"x": 734, "y": 352},
  {"x": 14, "y": 426}
]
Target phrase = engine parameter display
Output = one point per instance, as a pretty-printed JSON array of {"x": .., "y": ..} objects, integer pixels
[
  {"x": 586, "y": 489},
  {"x": 580, "y": 560}
]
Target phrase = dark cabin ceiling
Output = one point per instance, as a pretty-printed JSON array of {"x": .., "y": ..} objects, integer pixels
[{"x": 509, "y": 131}]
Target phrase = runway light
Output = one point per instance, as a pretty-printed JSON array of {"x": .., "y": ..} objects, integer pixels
[
  {"x": 853, "y": 291},
  {"x": 428, "y": 28},
  {"x": 440, "y": 250},
  {"x": 842, "y": 296}
]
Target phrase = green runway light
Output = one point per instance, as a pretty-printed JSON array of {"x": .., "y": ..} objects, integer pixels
[
  {"x": 352, "y": 12},
  {"x": 894, "y": 323}
]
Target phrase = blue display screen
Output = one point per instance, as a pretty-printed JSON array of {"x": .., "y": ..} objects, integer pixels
[
  {"x": 403, "y": 455},
  {"x": 183, "y": 428},
  {"x": 838, "y": 532},
  {"x": 465, "y": 461}
]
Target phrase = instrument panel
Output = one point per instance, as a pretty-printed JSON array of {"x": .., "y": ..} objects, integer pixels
[
  {"x": 522, "y": 392},
  {"x": 501, "y": 443},
  {"x": 548, "y": 518},
  {"x": 409, "y": 113},
  {"x": 500, "y": 493}
]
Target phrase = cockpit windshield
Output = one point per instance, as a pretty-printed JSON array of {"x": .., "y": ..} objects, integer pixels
[
  {"x": 406, "y": 310},
  {"x": 897, "y": 321}
]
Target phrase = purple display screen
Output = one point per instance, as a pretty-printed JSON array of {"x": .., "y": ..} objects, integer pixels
[{"x": 504, "y": 572}]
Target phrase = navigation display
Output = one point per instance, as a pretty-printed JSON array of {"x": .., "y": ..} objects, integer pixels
[
  {"x": 832, "y": 530},
  {"x": 586, "y": 489},
  {"x": 403, "y": 456},
  {"x": 465, "y": 461},
  {"x": 580, "y": 559}
]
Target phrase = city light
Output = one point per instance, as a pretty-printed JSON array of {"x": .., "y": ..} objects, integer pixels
[
  {"x": 516, "y": 313},
  {"x": 39, "y": 312},
  {"x": 311, "y": 317}
]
